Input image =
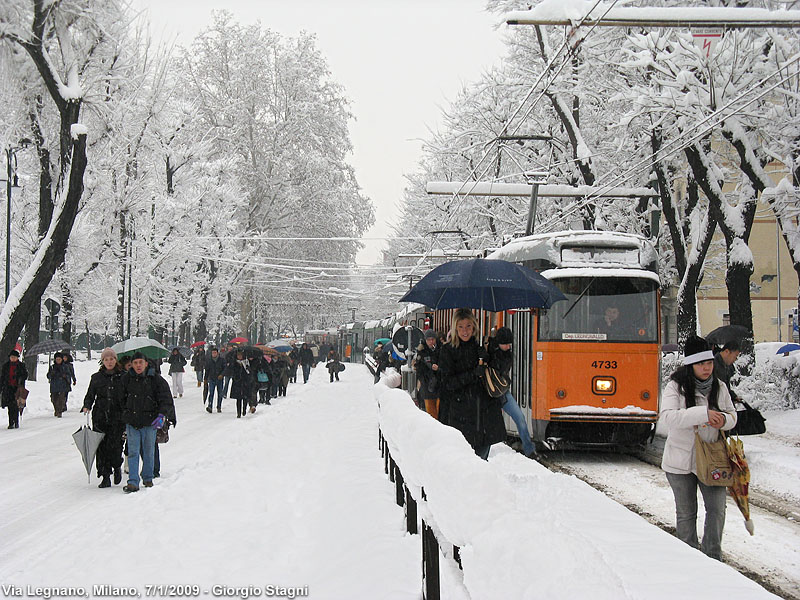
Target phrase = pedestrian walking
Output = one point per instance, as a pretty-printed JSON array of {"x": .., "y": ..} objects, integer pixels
[
  {"x": 264, "y": 375},
  {"x": 306, "y": 361},
  {"x": 59, "y": 377},
  {"x": 501, "y": 359},
  {"x": 177, "y": 362},
  {"x": 294, "y": 362},
  {"x": 242, "y": 383},
  {"x": 426, "y": 365},
  {"x": 465, "y": 404},
  {"x": 66, "y": 357},
  {"x": 695, "y": 402},
  {"x": 147, "y": 403},
  {"x": 333, "y": 364},
  {"x": 199, "y": 363},
  {"x": 103, "y": 399},
  {"x": 12, "y": 378},
  {"x": 214, "y": 374},
  {"x": 281, "y": 372}
]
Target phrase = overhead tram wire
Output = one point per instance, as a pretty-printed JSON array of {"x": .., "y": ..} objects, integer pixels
[
  {"x": 545, "y": 71},
  {"x": 667, "y": 151}
]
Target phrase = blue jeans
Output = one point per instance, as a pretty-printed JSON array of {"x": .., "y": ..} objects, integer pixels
[
  {"x": 512, "y": 409},
  {"x": 199, "y": 375},
  {"x": 306, "y": 372},
  {"x": 684, "y": 488},
  {"x": 141, "y": 440},
  {"x": 215, "y": 384}
]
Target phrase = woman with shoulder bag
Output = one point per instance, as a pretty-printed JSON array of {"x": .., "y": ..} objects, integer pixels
[
  {"x": 464, "y": 402},
  {"x": 694, "y": 401}
]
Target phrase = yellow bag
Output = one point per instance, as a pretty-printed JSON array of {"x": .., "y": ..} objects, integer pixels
[{"x": 713, "y": 464}]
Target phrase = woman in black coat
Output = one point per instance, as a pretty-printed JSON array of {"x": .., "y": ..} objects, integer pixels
[
  {"x": 465, "y": 404},
  {"x": 242, "y": 383},
  {"x": 12, "y": 377},
  {"x": 103, "y": 398}
]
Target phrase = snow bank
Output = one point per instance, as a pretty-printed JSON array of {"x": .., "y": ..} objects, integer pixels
[{"x": 577, "y": 543}]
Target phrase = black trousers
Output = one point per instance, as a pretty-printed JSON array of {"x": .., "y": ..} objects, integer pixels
[{"x": 109, "y": 452}]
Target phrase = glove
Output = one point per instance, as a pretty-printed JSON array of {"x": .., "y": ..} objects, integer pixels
[{"x": 158, "y": 422}]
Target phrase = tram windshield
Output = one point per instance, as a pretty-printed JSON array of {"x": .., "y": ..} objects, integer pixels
[{"x": 602, "y": 309}]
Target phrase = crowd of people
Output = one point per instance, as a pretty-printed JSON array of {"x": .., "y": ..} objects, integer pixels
[{"x": 131, "y": 403}]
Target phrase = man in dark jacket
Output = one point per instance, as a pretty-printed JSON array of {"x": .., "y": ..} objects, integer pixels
[
  {"x": 723, "y": 364},
  {"x": 145, "y": 399},
  {"x": 199, "y": 363},
  {"x": 306, "y": 361},
  {"x": 501, "y": 359},
  {"x": 12, "y": 377},
  {"x": 215, "y": 378},
  {"x": 427, "y": 367}
]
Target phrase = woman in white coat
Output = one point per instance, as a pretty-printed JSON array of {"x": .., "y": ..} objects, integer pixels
[{"x": 694, "y": 400}]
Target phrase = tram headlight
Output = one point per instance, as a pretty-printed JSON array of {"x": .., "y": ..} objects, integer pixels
[
  {"x": 645, "y": 395},
  {"x": 604, "y": 385}
]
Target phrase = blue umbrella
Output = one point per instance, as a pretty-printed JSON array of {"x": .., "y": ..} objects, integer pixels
[
  {"x": 786, "y": 348},
  {"x": 492, "y": 285},
  {"x": 280, "y": 345}
]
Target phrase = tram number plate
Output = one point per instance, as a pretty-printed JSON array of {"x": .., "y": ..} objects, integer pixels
[{"x": 604, "y": 364}]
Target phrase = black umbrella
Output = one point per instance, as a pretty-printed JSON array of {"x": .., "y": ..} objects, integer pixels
[
  {"x": 727, "y": 333},
  {"x": 48, "y": 346},
  {"x": 249, "y": 352},
  {"x": 400, "y": 339},
  {"x": 493, "y": 285}
]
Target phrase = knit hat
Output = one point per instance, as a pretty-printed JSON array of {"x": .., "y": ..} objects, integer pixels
[
  {"x": 504, "y": 336},
  {"x": 108, "y": 352},
  {"x": 430, "y": 333},
  {"x": 14, "y": 353},
  {"x": 696, "y": 350},
  {"x": 138, "y": 355}
]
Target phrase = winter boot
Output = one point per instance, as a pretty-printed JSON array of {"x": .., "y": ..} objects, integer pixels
[
  {"x": 117, "y": 475},
  {"x": 106, "y": 482},
  {"x": 130, "y": 488},
  {"x": 208, "y": 409}
]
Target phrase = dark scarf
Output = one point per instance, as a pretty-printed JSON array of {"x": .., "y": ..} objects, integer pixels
[{"x": 703, "y": 387}]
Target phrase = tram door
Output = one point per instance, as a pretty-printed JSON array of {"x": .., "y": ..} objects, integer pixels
[{"x": 522, "y": 325}]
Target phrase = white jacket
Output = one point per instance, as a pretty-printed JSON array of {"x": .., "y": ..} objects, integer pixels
[{"x": 680, "y": 421}]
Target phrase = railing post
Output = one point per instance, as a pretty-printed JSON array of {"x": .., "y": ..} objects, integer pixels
[
  {"x": 399, "y": 487},
  {"x": 411, "y": 512},
  {"x": 392, "y": 467},
  {"x": 430, "y": 564},
  {"x": 386, "y": 462}
]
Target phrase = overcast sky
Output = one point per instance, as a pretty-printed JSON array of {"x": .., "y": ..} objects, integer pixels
[{"x": 400, "y": 62}]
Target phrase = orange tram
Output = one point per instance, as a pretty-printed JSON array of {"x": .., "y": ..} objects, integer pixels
[{"x": 587, "y": 370}]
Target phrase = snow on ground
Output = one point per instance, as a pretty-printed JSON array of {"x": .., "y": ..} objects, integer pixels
[{"x": 296, "y": 496}]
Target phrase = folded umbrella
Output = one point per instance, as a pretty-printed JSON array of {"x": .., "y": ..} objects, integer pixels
[
  {"x": 87, "y": 442},
  {"x": 741, "y": 480}
]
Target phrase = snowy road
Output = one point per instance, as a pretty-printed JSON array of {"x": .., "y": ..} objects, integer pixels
[{"x": 294, "y": 496}]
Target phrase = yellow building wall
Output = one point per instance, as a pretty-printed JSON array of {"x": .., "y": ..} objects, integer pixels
[{"x": 772, "y": 266}]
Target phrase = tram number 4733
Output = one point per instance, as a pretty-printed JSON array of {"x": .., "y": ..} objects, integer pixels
[{"x": 604, "y": 364}]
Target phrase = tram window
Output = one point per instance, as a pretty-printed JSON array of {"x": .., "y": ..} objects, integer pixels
[{"x": 602, "y": 309}]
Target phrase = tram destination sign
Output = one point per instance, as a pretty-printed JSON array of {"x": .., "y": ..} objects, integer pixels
[{"x": 596, "y": 337}]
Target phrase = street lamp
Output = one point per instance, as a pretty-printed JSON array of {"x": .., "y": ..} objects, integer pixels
[{"x": 11, "y": 181}]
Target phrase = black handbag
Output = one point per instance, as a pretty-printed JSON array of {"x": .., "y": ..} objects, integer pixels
[{"x": 749, "y": 421}]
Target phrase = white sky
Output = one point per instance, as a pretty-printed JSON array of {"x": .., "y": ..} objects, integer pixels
[{"x": 400, "y": 62}]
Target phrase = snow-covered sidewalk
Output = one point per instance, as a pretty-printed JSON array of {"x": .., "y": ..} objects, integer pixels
[{"x": 291, "y": 496}]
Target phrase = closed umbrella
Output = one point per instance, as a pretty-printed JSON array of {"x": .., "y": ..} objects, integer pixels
[
  {"x": 48, "y": 346},
  {"x": 150, "y": 348},
  {"x": 741, "y": 480},
  {"x": 87, "y": 442},
  {"x": 493, "y": 285}
]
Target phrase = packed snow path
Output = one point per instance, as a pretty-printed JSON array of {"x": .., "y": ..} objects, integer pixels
[{"x": 293, "y": 495}]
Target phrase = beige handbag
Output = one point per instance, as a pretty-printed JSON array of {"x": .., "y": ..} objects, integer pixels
[{"x": 713, "y": 465}]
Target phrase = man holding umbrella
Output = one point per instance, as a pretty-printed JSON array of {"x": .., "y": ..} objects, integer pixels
[{"x": 146, "y": 399}]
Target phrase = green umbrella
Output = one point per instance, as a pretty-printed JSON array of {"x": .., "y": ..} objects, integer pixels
[{"x": 150, "y": 348}]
